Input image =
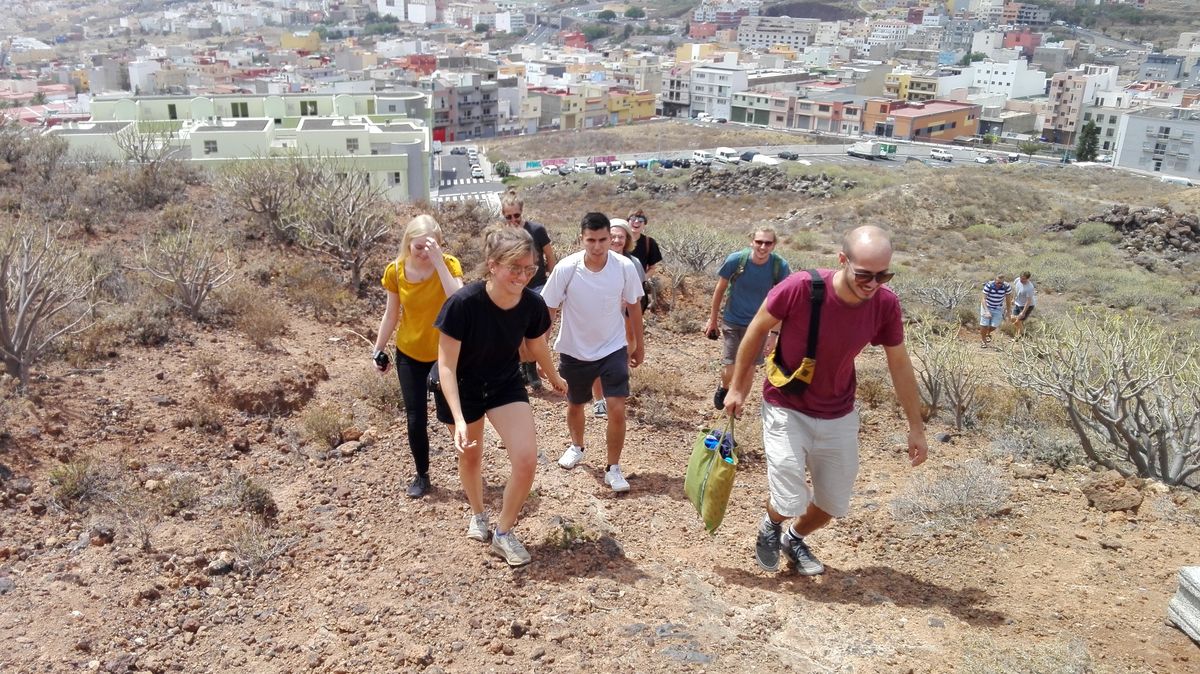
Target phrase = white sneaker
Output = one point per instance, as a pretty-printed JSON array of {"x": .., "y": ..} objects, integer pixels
[
  {"x": 478, "y": 528},
  {"x": 509, "y": 548},
  {"x": 571, "y": 457},
  {"x": 600, "y": 408},
  {"x": 615, "y": 479}
]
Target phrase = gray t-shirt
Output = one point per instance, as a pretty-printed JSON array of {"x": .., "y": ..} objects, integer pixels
[{"x": 1024, "y": 294}]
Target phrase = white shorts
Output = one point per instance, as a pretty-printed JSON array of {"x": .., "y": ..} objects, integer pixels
[{"x": 827, "y": 448}]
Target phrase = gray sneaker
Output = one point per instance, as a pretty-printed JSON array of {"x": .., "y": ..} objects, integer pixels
[
  {"x": 510, "y": 549},
  {"x": 766, "y": 545},
  {"x": 478, "y": 528},
  {"x": 600, "y": 408},
  {"x": 804, "y": 561}
]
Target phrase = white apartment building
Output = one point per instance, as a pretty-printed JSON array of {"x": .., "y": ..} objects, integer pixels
[
  {"x": 1014, "y": 79},
  {"x": 1069, "y": 92},
  {"x": 510, "y": 21},
  {"x": 1106, "y": 111},
  {"x": 1160, "y": 140},
  {"x": 827, "y": 34},
  {"x": 424, "y": 12},
  {"x": 141, "y": 76},
  {"x": 391, "y": 8},
  {"x": 989, "y": 43},
  {"x": 712, "y": 87},
  {"x": 764, "y": 32},
  {"x": 889, "y": 33}
]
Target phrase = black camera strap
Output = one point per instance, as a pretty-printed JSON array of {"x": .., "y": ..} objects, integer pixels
[{"x": 817, "y": 298}]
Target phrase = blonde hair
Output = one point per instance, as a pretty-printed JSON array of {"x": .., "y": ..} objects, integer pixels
[
  {"x": 765, "y": 230},
  {"x": 422, "y": 225},
  {"x": 510, "y": 198},
  {"x": 505, "y": 245},
  {"x": 624, "y": 225}
]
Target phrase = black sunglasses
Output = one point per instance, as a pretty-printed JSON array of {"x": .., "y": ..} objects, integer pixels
[{"x": 879, "y": 277}]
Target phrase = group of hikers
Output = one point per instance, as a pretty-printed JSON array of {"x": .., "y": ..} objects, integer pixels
[{"x": 480, "y": 346}]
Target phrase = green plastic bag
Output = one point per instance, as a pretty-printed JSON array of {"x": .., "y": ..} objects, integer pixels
[{"x": 710, "y": 478}]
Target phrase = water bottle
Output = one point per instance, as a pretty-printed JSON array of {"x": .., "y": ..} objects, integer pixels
[
  {"x": 726, "y": 453},
  {"x": 712, "y": 440}
]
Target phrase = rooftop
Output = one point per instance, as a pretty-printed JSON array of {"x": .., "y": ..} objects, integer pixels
[
  {"x": 929, "y": 108},
  {"x": 326, "y": 123},
  {"x": 88, "y": 128},
  {"x": 236, "y": 125}
]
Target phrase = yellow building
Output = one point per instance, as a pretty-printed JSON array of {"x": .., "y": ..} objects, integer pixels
[
  {"x": 698, "y": 51},
  {"x": 301, "y": 40},
  {"x": 895, "y": 85},
  {"x": 784, "y": 51}
]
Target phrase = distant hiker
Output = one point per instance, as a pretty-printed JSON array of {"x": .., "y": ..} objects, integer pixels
[
  {"x": 646, "y": 250},
  {"x": 995, "y": 304},
  {"x": 814, "y": 427},
  {"x": 621, "y": 242},
  {"x": 744, "y": 281},
  {"x": 512, "y": 208},
  {"x": 417, "y": 283},
  {"x": 1024, "y": 300},
  {"x": 598, "y": 292},
  {"x": 482, "y": 326}
]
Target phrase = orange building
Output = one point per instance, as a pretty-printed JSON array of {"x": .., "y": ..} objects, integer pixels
[{"x": 936, "y": 121}]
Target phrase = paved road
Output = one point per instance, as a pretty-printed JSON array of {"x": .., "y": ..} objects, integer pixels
[{"x": 454, "y": 181}]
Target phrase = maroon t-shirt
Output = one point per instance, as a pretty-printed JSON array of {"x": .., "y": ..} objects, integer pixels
[{"x": 845, "y": 331}]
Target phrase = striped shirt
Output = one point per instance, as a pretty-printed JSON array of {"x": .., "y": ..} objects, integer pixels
[{"x": 995, "y": 294}]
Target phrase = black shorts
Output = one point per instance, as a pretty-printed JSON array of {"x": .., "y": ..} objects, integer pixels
[
  {"x": 612, "y": 370},
  {"x": 477, "y": 397},
  {"x": 1017, "y": 309}
]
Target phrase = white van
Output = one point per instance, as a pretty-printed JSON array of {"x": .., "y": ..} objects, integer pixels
[
  {"x": 941, "y": 154},
  {"x": 727, "y": 155},
  {"x": 702, "y": 157},
  {"x": 1176, "y": 180},
  {"x": 764, "y": 159}
]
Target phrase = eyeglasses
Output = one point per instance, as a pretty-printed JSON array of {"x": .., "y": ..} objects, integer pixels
[
  {"x": 512, "y": 216},
  {"x": 760, "y": 242},
  {"x": 518, "y": 270},
  {"x": 879, "y": 277},
  {"x": 640, "y": 221}
]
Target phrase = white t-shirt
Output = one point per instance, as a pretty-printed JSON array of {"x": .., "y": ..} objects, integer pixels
[
  {"x": 593, "y": 304},
  {"x": 1024, "y": 293}
]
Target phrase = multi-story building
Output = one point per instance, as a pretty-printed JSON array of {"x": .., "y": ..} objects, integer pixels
[
  {"x": 888, "y": 33},
  {"x": 385, "y": 136},
  {"x": 831, "y": 112},
  {"x": 1162, "y": 67},
  {"x": 937, "y": 84},
  {"x": 727, "y": 14},
  {"x": 958, "y": 34},
  {"x": 1161, "y": 140},
  {"x": 1105, "y": 111},
  {"x": 1014, "y": 79},
  {"x": 676, "y": 96},
  {"x": 1069, "y": 92},
  {"x": 464, "y": 106},
  {"x": 764, "y": 32},
  {"x": 925, "y": 38},
  {"x": 938, "y": 121},
  {"x": 713, "y": 85}
]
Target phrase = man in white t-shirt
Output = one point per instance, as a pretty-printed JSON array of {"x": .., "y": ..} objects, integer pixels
[
  {"x": 1024, "y": 300},
  {"x": 598, "y": 292}
]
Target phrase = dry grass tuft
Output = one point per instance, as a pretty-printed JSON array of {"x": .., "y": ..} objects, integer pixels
[
  {"x": 323, "y": 424},
  {"x": 971, "y": 491},
  {"x": 76, "y": 483}
]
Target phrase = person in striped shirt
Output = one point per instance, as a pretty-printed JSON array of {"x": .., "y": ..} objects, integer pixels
[{"x": 995, "y": 305}]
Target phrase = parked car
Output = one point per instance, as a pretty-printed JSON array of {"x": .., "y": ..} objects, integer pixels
[
  {"x": 1014, "y": 157},
  {"x": 667, "y": 163},
  {"x": 564, "y": 170},
  {"x": 683, "y": 163},
  {"x": 601, "y": 168},
  {"x": 789, "y": 155},
  {"x": 748, "y": 155},
  {"x": 1106, "y": 158},
  {"x": 477, "y": 171},
  {"x": 984, "y": 159},
  {"x": 702, "y": 157},
  {"x": 458, "y": 150},
  {"x": 549, "y": 169},
  {"x": 721, "y": 120},
  {"x": 941, "y": 154}
]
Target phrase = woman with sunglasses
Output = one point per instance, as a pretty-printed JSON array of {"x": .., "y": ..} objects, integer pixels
[
  {"x": 482, "y": 327},
  {"x": 512, "y": 208},
  {"x": 645, "y": 249},
  {"x": 417, "y": 283}
]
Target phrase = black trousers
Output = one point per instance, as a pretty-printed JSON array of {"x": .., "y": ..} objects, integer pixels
[{"x": 414, "y": 387}]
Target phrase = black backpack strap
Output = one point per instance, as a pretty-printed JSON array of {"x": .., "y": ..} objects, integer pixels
[{"x": 817, "y": 298}]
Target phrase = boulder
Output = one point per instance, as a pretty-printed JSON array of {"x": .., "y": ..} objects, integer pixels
[
  {"x": 1110, "y": 492},
  {"x": 1184, "y": 608}
]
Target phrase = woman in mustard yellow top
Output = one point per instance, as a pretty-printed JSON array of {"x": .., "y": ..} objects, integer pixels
[{"x": 417, "y": 284}]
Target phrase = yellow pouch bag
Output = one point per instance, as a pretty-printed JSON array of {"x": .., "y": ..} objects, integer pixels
[{"x": 799, "y": 379}]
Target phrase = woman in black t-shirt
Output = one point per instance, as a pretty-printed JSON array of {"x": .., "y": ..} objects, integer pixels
[
  {"x": 482, "y": 326},
  {"x": 645, "y": 249}
]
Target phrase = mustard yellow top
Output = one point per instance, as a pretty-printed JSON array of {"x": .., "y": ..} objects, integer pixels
[{"x": 419, "y": 307}]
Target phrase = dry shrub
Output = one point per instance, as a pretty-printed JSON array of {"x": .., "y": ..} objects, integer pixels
[
  {"x": 323, "y": 424},
  {"x": 312, "y": 285},
  {"x": 379, "y": 391},
  {"x": 986, "y": 656},
  {"x": 658, "y": 397},
  {"x": 971, "y": 491},
  {"x": 463, "y": 223},
  {"x": 203, "y": 414},
  {"x": 94, "y": 344},
  {"x": 681, "y": 323},
  {"x": 179, "y": 491},
  {"x": 246, "y": 494},
  {"x": 210, "y": 367},
  {"x": 255, "y": 545},
  {"x": 874, "y": 387},
  {"x": 76, "y": 483},
  {"x": 146, "y": 320},
  {"x": 262, "y": 326}
]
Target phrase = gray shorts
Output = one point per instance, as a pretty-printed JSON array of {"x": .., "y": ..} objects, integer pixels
[
  {"x": 731, "y": 340},
  {"x": 827, "y": 449},
  {"x": 612, "y": 371}
]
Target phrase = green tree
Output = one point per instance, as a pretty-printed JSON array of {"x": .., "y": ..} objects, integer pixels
[
  {"x": 481, "y": 28},
  {"x": 1030, "y": 147},
  {"x": 635, "y": 13},
  {"x": 1089, "y": 142},
  {"x": 606, "y": 15},
  {"x": 594, "y": 31},
  {"x": 501, "y": 168},
  {"x": 990, "y": 139},
  {"x": 972, "y": 57}
]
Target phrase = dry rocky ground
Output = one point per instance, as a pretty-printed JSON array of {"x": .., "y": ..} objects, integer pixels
[{"x": 217, "y": 536}]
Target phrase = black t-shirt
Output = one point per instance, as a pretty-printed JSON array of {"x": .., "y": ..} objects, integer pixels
[
  {"x": 541, "y": 239},
  {"x": 646, "y": 250},
  {"x": 490, "y": 335}
]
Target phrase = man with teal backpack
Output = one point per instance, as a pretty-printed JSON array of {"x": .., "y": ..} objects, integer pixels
[{"x": 745, "y": 279}]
